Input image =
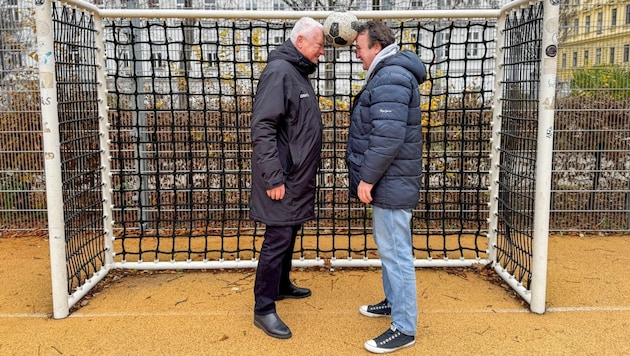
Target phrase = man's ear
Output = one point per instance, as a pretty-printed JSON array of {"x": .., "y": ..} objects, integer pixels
[{"x": 299, "y": 41}]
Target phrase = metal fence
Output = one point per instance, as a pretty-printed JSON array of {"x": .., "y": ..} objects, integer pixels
[
  {"x": 22, "y": 191},
  {"x": 591, "y": 175}
]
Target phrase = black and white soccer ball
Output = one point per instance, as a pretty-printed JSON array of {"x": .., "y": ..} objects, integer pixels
[{"x": 340, "y": 28}]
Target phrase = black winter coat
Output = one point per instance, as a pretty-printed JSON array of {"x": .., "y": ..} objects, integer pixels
[
  {"x": 286, "y": 139},
  {"x": 385, "y": 135}
]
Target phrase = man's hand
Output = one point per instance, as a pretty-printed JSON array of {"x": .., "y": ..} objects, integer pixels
[
  {"x": 364, "y": 191},
  {"x": 276, "y": 193}
]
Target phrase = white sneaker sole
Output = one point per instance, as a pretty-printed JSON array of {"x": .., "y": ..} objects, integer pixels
[{"x": 364, "y": 311}]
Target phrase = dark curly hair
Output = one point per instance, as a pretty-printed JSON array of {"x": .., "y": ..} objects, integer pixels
[{"x": 378, "y": 32}]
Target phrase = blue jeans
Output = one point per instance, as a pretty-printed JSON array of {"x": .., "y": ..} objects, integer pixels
[{"x": 392, "y": 234}]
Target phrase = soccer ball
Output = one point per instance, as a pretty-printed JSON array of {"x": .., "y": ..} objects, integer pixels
[{"x": 340, "y": 28}]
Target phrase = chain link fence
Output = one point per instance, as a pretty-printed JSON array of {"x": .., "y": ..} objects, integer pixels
[{"x": 22, "y": 186}]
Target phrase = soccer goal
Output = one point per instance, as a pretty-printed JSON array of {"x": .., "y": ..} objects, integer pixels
[{"x": 146, "y": 117}]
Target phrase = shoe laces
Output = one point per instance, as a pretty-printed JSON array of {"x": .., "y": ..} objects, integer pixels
[
  {"x": 379, "y": 306},
  {"x": 392, "y": 334}
]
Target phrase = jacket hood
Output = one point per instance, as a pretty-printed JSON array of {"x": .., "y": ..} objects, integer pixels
[
  {"x": 408, "y": 60},
  {"x": 289, "y": 53}
]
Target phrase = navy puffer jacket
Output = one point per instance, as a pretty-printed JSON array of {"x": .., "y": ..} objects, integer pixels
[
  {"x": 286, "y": 139},
  {"x": 385, "y": 137}
]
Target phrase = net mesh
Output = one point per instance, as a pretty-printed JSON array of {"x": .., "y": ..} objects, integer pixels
[
  {"x": 180, "y": 99},
  {"x": 75, "y": 70},
  {"x": 519, "y": 131}
]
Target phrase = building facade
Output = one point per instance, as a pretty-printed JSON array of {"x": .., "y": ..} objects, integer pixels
[{"x": 593, "y": 33}]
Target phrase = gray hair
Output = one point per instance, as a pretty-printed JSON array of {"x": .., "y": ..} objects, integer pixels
[{"x": 305, "y": 27}]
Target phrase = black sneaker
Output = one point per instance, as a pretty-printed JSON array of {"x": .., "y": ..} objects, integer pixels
[
  {"x": 389, "y": 341},
  {"x": 376, "y": 310}
]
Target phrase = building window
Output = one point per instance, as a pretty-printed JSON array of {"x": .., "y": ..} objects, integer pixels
[
  {"x": 473, "y": 44},
  {"x": 626, "y": 53},
  {"x": 576, "y": 26},
  {"x": 210, "y": 4},
  {"x": 157, "y": 60},
  {"x": 278, "y": 5},
  {"x": 598, "y": 56},
  {"x": 564, "y": 60},
  {"x": 600, "y": 22},
  {"x": 627, "y": 14},
  {"x": 416, "y": 4},
  {"x": 213, "y": 59},
  {"x": 251, "y": 5},
  {"x": 612, "y": 55},
  {"x": 125, "y": 60},
  {"x": 613, "y": 18},
  {"x": 575, "y": 59},
  {"x": 586, "y": 57},
  {"x": 587, "y": 25}
]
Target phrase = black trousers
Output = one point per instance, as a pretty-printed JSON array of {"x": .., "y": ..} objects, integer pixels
[{"x": 274, "y": 265}]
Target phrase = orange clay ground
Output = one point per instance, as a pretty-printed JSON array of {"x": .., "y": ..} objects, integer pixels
[{"x": 462, "y": 311}]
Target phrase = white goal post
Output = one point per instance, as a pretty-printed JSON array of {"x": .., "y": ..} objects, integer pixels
[{"x": 513, "y": 171}]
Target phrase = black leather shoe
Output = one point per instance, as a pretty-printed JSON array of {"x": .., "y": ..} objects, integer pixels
[
  {"x": 294, "y": 292},
  {"x": 272, "y": 325}
]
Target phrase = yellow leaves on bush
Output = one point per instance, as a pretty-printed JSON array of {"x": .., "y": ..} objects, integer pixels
[
  {"x": 328, "y": 104},
  {"x": 325, "y": 104},
  {"x": 430, "y": 115}
]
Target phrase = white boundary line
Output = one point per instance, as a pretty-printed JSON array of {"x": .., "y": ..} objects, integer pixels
[
  {"x": 587, "y": 308},
  {"x": 421, "y": 311}
]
